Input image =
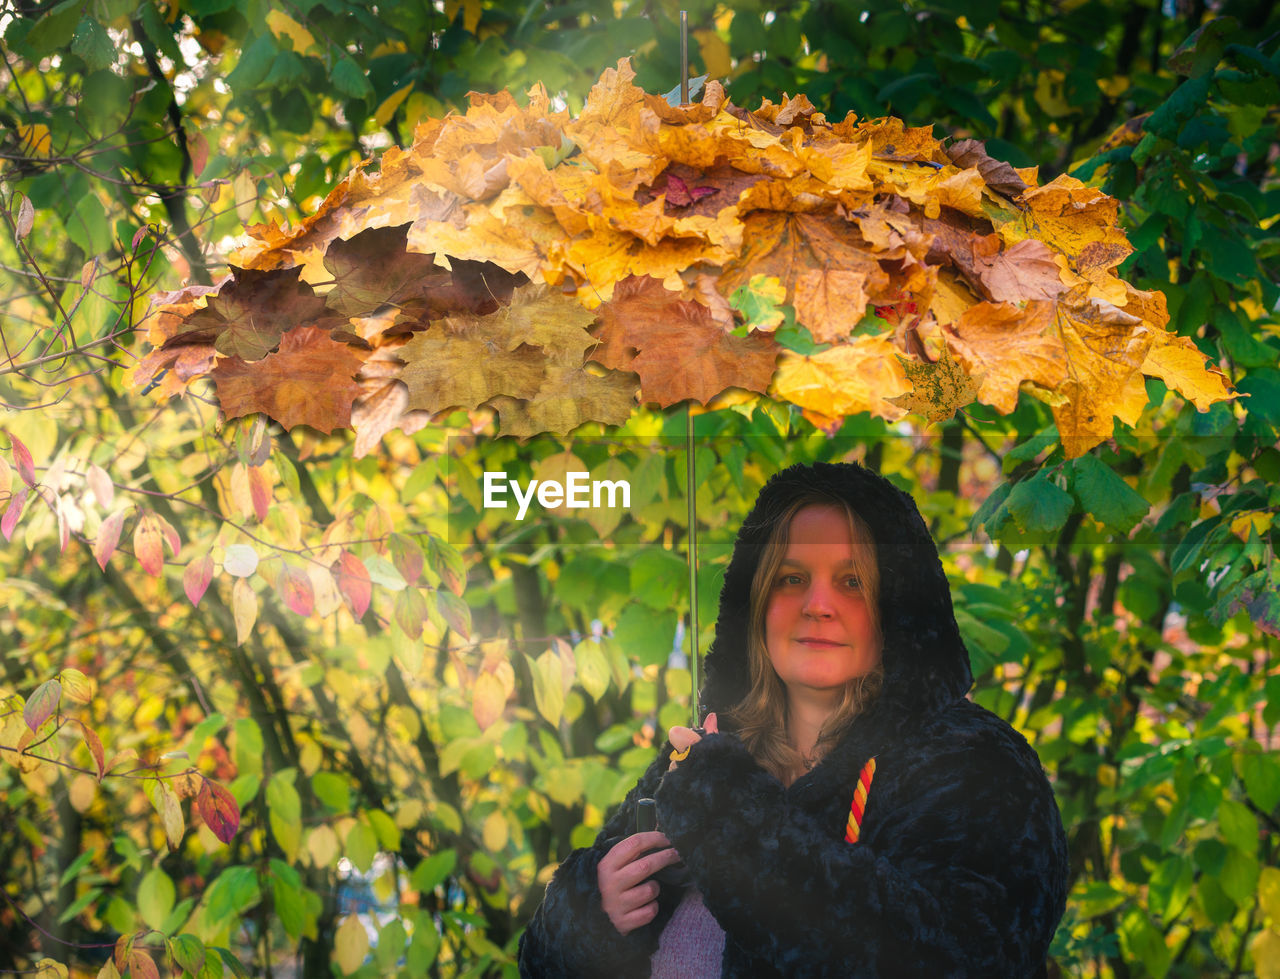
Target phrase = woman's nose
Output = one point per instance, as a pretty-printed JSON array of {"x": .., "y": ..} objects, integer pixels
[{"x": 817, "y": 601}]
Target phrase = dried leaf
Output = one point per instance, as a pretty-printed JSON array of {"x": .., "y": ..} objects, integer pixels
[
  {"x": 94, "y": 744},
  {"x": 680, "y": 351},
  {"x": 148, "y": 543},
  {"x": 938, "y": 389},
  {"x": 858, "y": 376},
  {"x": 251, "y": 312},
  {"x": 451, "y": 367},
  {"x": 1003, "y": 345},
  {"x": 310, "y": 380}
]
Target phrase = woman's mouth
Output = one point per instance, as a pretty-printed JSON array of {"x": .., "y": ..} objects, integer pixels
[{"x": 818, "y": 643}]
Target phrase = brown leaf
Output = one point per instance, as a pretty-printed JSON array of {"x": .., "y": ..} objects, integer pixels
[
  {"x": 374, "y": 269},
  {"x": 104, "y": 545},
  {"x": 308, "y": 381},
  {"x": 454, "y": 365},
  {"x": 681, "y": 352},
  {"x": 383, "y": 404},
  {"x": 999, "y": 176},
  {"x": 1026, "y": 271},
  {"x": 252, "y": 311}
]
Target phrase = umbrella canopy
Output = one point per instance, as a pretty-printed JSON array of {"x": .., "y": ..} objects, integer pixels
[{"x": 561, "y": 270}]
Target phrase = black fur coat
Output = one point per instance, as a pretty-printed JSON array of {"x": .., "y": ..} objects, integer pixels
[{"x": 961, "y": 865}]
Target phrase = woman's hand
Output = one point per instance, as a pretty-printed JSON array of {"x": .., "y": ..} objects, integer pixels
[
  {"x": 629, "y": 897},
  {"x": 684, "y": 738}
]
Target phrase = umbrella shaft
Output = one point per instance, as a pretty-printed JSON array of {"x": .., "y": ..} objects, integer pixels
[{"x": 691, "y": 487}]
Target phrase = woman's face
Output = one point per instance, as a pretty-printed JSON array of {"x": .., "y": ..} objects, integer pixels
[{"x": 819, "y": 629}]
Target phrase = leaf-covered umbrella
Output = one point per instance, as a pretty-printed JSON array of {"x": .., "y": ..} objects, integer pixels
[{"x": 560, "y": 269}]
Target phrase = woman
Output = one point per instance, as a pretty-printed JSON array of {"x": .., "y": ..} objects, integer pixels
[{"x": 846, "y": 812}]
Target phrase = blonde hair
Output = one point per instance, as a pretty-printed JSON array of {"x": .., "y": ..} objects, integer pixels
[{"x": 761, "y": 716}]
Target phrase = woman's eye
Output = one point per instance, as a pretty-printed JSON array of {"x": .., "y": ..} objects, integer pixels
[
  {"x": 790, "y": 579},
  {"x": 853, "y": 581}
]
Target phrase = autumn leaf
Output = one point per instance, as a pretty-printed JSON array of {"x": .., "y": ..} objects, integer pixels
[
  {"x": 218, "y": 809},
  {"x": 310, "y": 380},
  {"x": 938, "y": 389},
  {"x": 296, "y": 591},
  {"x": 567, "y": 398},
  {"x": 42, "y": 703},
  {"x": 104, "y": 545},
  {"x": 352, "y": 579},
  {"x": 150, "y": 537},
  {"x": 1003, "y": 345},
  {"x": 196, "y": 578},
  {"x": 680, "y": 352},
  {"x": 251, "y": 312},
  {"x": 374, "y": 269},
  {"x": 480, "y": 265},
  {"x": 861, "y": 375},
  {"x": 453, "y": 365},
  {"x": 488, "y": 699},
  {"x": 167, "y": 806}
]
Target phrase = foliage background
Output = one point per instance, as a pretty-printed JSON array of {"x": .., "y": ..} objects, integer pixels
[{"x": 408, "y": 763}]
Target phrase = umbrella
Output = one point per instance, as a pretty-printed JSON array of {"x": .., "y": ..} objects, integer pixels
[{"x": 560, "y": 270}]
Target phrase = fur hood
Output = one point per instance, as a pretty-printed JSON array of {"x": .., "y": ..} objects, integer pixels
[{"x": 925, "y": 660}]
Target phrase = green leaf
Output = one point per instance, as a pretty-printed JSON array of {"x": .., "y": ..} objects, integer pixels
[
  {"x": 1039, "y": 505},
  {"x": 92, "y": 43},
  {"x": 77, "y": 865},
  {"x": 432, "y": 871},
  {"x": 1239, "y": 877},
  {"x": 660, "y": 579},
  {"x": 187, "y": 952},
  {"x": 645, "y": 636},
  {"x": 155, "y": 897},
  {"x": 288, "y": 905},
  {"x": 55, "y": 29},
  {"x": 384, "y": 827},
  {"x": 1239, "y": 826},
  {"x": 255, "y": 61},
  {"x": 233, "y": 892},
  {"x": 350, "y": 79},
  {"x": 362, "y": 846},
  {"x": 592, "y": 668},
  {"x": 1187, "y": 99},
  {"x": 333, "y": 790},
  {"x": 1261, "y": 776},
  {"x": 1105, "y": 496}
]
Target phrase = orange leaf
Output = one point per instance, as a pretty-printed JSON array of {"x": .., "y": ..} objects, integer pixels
[
  {"x": 352, "y": 578},
  {"x": 1001, "y": 345},
  {"x": 259, "y": 492},
  {"x": 309, "y": 381},
  {"x": 938, "y": 389},
  {"x": 148, "y": 543},
  {"x": 94, "y": 744},
  {"x": 846, "y": 379}
]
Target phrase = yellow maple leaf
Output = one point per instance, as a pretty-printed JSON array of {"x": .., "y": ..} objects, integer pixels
[
  {"x": 846, "y": 379},
  {"x": 1178, "y": 362}
]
